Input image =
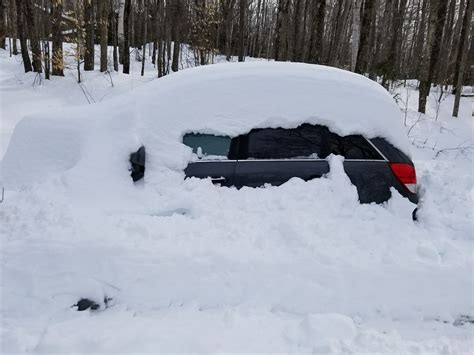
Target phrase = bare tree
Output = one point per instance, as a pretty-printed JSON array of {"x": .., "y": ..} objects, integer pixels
[
  {"x": 103, "y": 25},
  {"x": 242, "y": 29},
  {"x": 89, "y": 35},
  {"x": 462, "y": 55},
  {"x": 144, "y": 36},
  {"x": 365, "y": 34},
  {"x": 57, "y": 36},
  {"x": 227, "y": 7},
  {"x": 33, "y": 34},
  {"x": 126, "y": 46},
  {"x": 317, "y": 31},
  {"x": 281, "y": 31},
  {"x": 113, "y": 29},
  {"x": 355, "y": 32},
  {"x": 177, "y": 10},
  {"x": 3, "y": 25},
  {"x": 431, "y": 55}
]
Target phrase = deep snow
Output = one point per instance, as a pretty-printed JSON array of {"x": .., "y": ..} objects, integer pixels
[{"x": 192, "y": 267}]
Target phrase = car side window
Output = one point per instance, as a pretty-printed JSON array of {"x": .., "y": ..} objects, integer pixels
[
  {"x": 208, "y": 146},
  {"x": 279, "y": 143},
  {"x": 304, "y": 142},
  {"x": 351, "y": 147}
]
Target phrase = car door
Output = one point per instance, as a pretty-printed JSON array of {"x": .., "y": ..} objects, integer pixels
[
  {"x": 275, "y": 155},
  {"x": 213, "y": 157}
]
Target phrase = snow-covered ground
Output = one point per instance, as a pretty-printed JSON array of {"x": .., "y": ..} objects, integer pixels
[{"x": 190, "y": 267}]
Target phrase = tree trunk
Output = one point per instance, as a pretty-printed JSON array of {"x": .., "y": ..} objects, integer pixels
[
  {"x": 365, "y": 32},
  {"x": 355, "y": 32},
  {"x": 242, "y": 29},
  {"x": 144, "y": 37},
  {"x": 437, "y": 19},
  {"x": 113, "y": 31},
  {"x": 33, "y": 34},
  {"x": 13, "y": 26},
  {"x": 89, "y": 35},
  {"x": 120, "y": 29},
  {"x": 296, "y": 38},
  {"x": 175, "y": 33},
  {"x": 462, "y": 55},
  {"x": 126, "y": 47},
  {"x": 103, "y": 25},
  {"x": 317, "y": 31},
  {"x": 3, "y": 25},
  {"x": 281, "y": 31},
  {"x": 456, "y": 38},
  {"x": 20, "y": 14},
  {"x": 46, "y": 29},
  {"x": 56, "y": 30},
  {"x": 228, "y": 12}
]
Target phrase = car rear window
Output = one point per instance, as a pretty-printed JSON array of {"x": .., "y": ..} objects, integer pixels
[
  {"x": 208, "y": 146},
  {"x": 304, "y": 142}
]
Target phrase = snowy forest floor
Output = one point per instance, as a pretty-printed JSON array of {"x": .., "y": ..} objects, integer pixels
[{"x": 261, "y": 273}]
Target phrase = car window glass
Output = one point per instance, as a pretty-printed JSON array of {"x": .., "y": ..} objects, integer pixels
[
  {"x": 208, "y": 146},
  {"x": 351, "y": 147},
  {"x": 304, "y": 142},
  {"x": 279, "y": 143}
]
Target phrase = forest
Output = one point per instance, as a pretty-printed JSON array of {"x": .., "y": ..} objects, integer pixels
[{"x": 387, "y": 40}]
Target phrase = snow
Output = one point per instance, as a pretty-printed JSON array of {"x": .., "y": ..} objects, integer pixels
[{"x": 192, "y": 267}]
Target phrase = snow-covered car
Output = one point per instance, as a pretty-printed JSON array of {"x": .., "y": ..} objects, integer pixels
[{"x": 240, "y": 124}]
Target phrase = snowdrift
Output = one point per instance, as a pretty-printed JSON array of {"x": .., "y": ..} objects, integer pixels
[{"x": 219, "y": 99}]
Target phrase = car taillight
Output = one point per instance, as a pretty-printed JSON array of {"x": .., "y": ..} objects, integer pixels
[{"x": 406, "y": 174}]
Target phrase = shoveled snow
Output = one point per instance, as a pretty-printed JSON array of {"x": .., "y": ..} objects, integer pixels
[{"x": 192, "y": 267}]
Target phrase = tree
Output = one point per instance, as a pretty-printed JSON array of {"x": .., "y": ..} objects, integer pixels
[
  {"x": 57, "y": 37},
  {"x": 103, "y": 25},
  {"x": 355, "y": 32},
  {"x": 296, "y": 31},
  {"x": 33, "y": 34},
  {"x": 227, "y": 7},
  {"x": 89, "y": 35},
  {"x": 126, "y": 49},
  {"x": 242, "y": 29},
  {"x": 365, "y": 33},
  {"x": 177, "y": 10},
  {"x": 20, "y": 13},
  {"x": 281, "y": 32},
  {"x": 113, "y": 30},
  {"x": 462, "y": 55},
  {"x": 144, "y": 35},
  {"x": 317, "y": 31},
  {"x": 3, "y": 25},
  {"x": 120, "y": 29},
  {"x": 430, "y": 57}
]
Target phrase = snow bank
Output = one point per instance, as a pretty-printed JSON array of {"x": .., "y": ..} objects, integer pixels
[{"x": 221, "y": 99}]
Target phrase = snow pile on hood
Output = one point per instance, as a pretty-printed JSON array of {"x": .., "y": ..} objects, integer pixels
[{"x": 219, "y": 99}]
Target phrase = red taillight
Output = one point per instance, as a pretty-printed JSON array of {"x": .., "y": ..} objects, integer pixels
[{"x": 406, "y": 174}]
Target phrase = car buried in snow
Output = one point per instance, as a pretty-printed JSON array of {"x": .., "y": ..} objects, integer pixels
[
  {"x": 265, "y": 123},
  {"x": 240, "y": 124}
]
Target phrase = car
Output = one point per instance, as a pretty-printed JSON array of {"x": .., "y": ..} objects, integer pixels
[{"x": 275, "y": 155}]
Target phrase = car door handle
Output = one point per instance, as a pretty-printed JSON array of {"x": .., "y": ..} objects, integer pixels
[{"x": 217, "y": 180}]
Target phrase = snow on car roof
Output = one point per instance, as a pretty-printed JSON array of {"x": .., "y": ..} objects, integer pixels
[
  {"x": 223, "y": 99},
  {"x": 232, "y": 99}
]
